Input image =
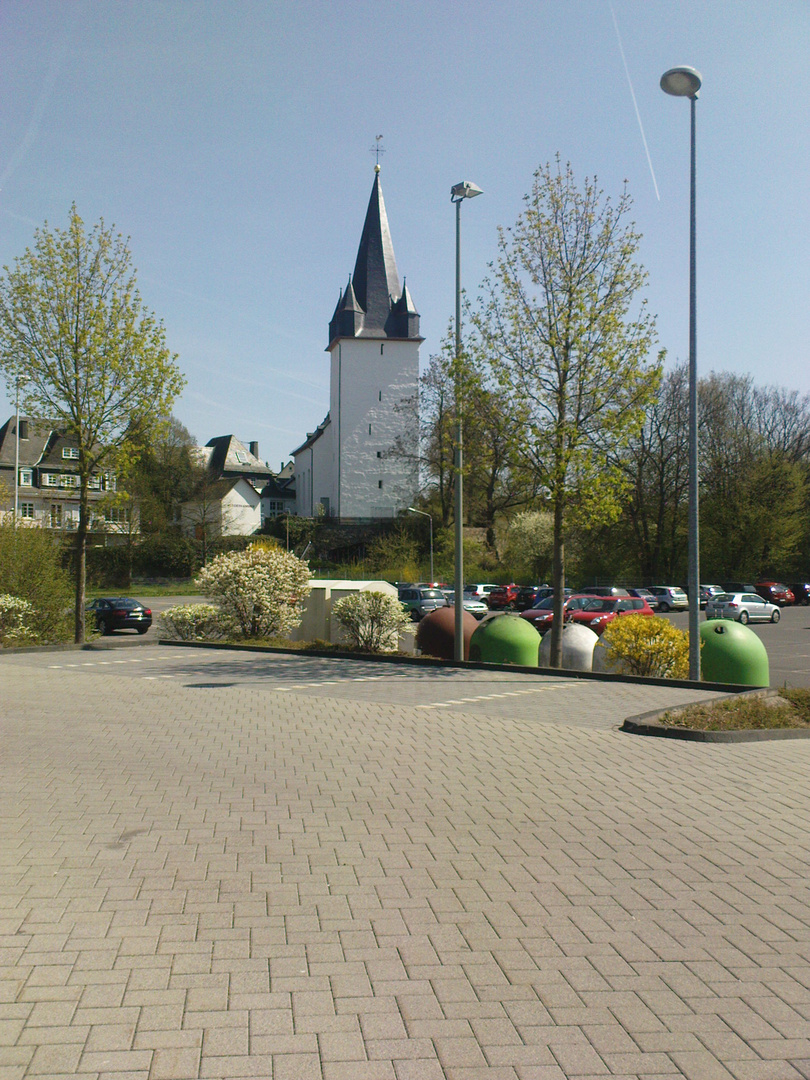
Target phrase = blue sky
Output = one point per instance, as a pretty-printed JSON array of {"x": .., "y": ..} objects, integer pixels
[{"x": 230, "y": 141}]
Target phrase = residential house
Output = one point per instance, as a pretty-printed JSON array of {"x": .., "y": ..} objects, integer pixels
[
  {"x": 48, "y": 479},
  {"x": 236, "y": 491}
]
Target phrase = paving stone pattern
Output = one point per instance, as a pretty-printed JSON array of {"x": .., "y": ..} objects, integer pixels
[{"x": 304, "y": 883}]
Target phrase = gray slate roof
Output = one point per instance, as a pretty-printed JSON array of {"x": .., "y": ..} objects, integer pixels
[{"x": 374, "y": 304}]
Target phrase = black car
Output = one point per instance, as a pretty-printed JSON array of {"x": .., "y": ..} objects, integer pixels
[
  {"x": 801, "y": 591},
  {"x": 120, "y": 613}
]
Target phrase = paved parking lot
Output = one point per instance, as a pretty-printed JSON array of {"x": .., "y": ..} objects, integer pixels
[{"x": 227, "y": 865}]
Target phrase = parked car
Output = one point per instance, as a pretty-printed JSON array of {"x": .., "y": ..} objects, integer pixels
[
  {"x": 737, "y": 586},
  {"x": 645, "y": 594},
  {"x": 706, "y": 592},
  {"x": 542, "y": 614},
  {"x": 776, "y": 592},
  {"x": 602, "y": 590},
  {"x": 528, "y": 595},
  {"x": 503, "y": 598},
  {"x": 745, "y": 607},
  {"x": 479, "y": 591},
  {"x": 119, "y": 613},
  {"x": 600, "y": 611},
  {"x": 419, "y": 602},
  {"x": 476, "y": 607},
  {"x": 801, "y": 591},
  {"x": 670, "y": 597}
]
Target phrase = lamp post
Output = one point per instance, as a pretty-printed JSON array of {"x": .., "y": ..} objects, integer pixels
[
  {"x": 686, "y": 82},
  {"x": 459, "y": 192},
  {"x": 413, "y": 510}
]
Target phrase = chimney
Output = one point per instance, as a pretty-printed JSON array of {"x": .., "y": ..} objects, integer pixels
[
  {"x": 254, "y": 449},
  {"x": 23, "y": 429}
]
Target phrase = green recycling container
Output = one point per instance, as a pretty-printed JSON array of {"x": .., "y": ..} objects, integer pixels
[
  {"x": 507, "y": 639},
  {"x": 732, "y": 653}
]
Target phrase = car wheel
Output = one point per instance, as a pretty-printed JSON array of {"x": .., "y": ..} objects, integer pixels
[
  {"x": 744, "y": 617},
  {"x": 511, "y": 606},
  {"x": 106, "y": 629},
  {"x": 142, "y": 629},
  {"x": 414, "y": 615},
  {"x": 776, "y": 615},
  {"x": 663, "y": 607}
]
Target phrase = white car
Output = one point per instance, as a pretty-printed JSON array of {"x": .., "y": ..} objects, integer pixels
[
  {"x": 744, "y": 607},
  {"x": 480, "y": 591},
  {"x": 669, "y": 597}
]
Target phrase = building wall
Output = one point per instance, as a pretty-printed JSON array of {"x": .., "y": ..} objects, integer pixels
[
  {"x": 315, "y": 477},
  {"x": 374, "y": 384}
]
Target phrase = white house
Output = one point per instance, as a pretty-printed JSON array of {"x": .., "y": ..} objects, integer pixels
[
  {"x": 227, "y": 507},
  {"x": 360, "y": 462}
]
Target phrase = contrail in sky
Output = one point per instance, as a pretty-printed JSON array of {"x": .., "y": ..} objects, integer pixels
[
  {"x": 32, "y": 131},
  {"x": 635, "y": 103}
]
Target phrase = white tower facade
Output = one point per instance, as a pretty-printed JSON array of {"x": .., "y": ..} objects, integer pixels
[{"x": 361, "y": 462}]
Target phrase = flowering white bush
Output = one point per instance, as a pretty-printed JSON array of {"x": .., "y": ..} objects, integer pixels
[
  {"x": 372, "y": 620},
  {"x": 15, "y": 613},
  {"x": 192, "y": 622},
  {"x": 259, "y": 591}
]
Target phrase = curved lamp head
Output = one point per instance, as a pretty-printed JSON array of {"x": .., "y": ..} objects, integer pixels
[
  {"x": 681, "y": 82},
  {"x": 465, "y": 190}
]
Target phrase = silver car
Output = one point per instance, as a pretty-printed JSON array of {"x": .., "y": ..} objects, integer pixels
[
  {"x": 744, "y": 607},
  {"x": 670, "y": 598},
  {"x": 477, "y": 608}
]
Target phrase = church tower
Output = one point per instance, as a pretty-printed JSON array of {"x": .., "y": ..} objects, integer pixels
[{"x": 361, "y": 462}]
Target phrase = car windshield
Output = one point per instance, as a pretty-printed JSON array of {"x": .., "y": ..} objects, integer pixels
[
  {"x": 124, "y": 602},
  {"x": 432, "y": 594},
  {"x": 600, "y": 603},
  {"x": 545, "y": 604}
]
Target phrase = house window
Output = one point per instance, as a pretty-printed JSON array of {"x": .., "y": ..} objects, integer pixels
[
  {"x": 27, "y": 510},
  {"x": 55, "y": 516},
  {"x": 240, "y": 457},
  {"x": 69, "y": 480},
  {"x": 110, "y": 482},
  {"x": 70, "y": 453},
  {"x": 379, "y": 483},
  {"x": 381, "y": 349},
  {"x": 369, "y": 429},
  {"x": 379, "y": 453},
  {"x": 50, "y": 479},
  {"x": 380, "y": 395},
  {"x": 116, "y": 515},
  {"x": 95, "y": 483},
  {"x": 26, "y": 477}
]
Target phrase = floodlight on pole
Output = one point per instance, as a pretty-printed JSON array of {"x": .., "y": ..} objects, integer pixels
[
  {"x": 458, "y": 193},
  {"x": 423, "y": 513},
  {"x": 686, "y": 82}
]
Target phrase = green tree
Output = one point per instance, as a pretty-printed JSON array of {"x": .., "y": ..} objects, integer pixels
[
  {"x": 87, "y": 354},
  {"x": 31, "y": 569},
  {"x": 556, "y": 322}
]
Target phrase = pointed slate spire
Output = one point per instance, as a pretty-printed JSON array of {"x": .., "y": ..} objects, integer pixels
[
  {"x": 375, "y": 277},
  {"x": 406, "y": 317},
  {"x": 373, "y": 303}
]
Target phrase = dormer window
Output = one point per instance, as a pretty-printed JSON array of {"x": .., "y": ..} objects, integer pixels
[
  {"x": 26, "y": 477},
  {"x": 240, "y": 457},
  {"x": 70, "y": 453}
]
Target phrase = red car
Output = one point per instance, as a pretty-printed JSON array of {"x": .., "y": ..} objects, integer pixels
[
  {"x": 540, "y": 616},
  {"x": 504, "y": 598},
  {"x": 600, "y": 611},
  {"x": 775, "y": 593}
]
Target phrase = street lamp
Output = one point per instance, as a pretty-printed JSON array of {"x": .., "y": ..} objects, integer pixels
[
  {"x": 413, "y": 510},
  {"x": 459, "y": 192},
  {"x": 686, "y": 82}
]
